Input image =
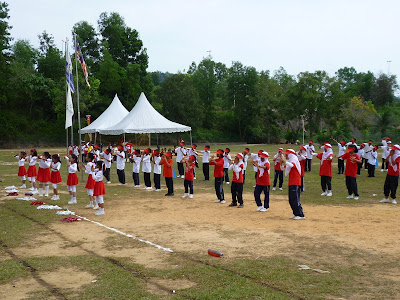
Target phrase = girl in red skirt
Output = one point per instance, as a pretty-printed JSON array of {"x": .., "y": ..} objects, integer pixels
[
  {"x": 90, "y": 181},
  {"x": 72, "y": 177},
  {"x": 99, "y": 189},
  {"x": 32, "y": 159},
  {"x": 55, "y": 176},
  {"x": 43, "y": 175},
  {"x": 21, "y": 168}
]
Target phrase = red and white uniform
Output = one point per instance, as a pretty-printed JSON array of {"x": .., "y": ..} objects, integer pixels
[
  {"x": 90, "y": 181},
  {"x": 21, "y": 166},
  {"x": 44, "y": 170},
  {"x": 351, "y": 166},
  {"x": 393, "y": 164},
  {"x": 32, "y": 166},
  {"x": 189, "y": 175},
  {"x": 72, "y": 177},
  {"x": 263, "y": 174},
  {"x": 55, "y": 173},
  {"x": 99, "y": 188},
  {"x": 302, "y": 156},
  {"x": 219, "y": 167},
  {"x": 326, "y": 163},
  {"x": 293, "y": 170},
  {"x": 129, "y": 147},
  {"x": 237, "y": 171}
]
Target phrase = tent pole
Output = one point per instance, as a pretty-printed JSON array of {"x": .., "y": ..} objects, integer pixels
[
  {"x": 124, "y": 137},
  {"x": 149, "y": 140},
  {"x": 95, "y": 137},
  {"x": 157, "y": 140},
  {"x": 191, "y": 141}
]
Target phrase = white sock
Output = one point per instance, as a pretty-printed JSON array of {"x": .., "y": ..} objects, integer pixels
[
  {"x": 101, "y": 209},
  {"x": 46, "y": 189},
  {"x": 91, "y": 202},
  {"x": 40, "y": 191},
  {"x": 74, "y": 199}
]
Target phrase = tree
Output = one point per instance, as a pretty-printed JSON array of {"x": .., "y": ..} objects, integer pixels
[
  {"x": 383, "y": 122},
  {"x": 5, "y": 56},
  {"x": 51, "y": 63},
  {"x": 383, "y": 90},
  {"x": 88, "y": 39}
]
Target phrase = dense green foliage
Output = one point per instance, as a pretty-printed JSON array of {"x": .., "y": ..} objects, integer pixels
[{"x": 220, "y": 103}]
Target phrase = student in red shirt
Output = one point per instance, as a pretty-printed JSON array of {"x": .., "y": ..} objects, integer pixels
[
  {"x": 302, "y": 156},
  {"x": 392, "y": 177},
  {"x": 278, "y": 171},
  {"x": 167, "y": 162},
  {"x": 263, "y": 181},
  {"x": 293, "y": 171},
  {"x": 189, "y": 176},
  {"x": 218, "y": 174},
  {"x": 352, "y": 159},
  {"x": 237, "y": 166},
  {"x": 325, "y": 170}
]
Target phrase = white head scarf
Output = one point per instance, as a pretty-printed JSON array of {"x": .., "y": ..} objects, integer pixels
[
  {"x": 292, "y": 158},
  {"x": 266, "y": 161},
  {"x": 326, "y": 154},
  {"x": 393, "y": 158}
]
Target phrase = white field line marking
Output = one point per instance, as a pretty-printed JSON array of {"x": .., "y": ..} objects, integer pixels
[{"x": 128, "y": 235}]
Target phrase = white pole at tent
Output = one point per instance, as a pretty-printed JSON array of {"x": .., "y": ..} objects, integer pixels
[
  {"x": 95, "y": 137},
  {"x": 191, "y": 141},
  {"x": 149, "y": 140},
  {"x": 124, "y": 137}
]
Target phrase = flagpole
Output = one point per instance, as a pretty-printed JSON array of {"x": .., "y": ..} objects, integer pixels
[
  {"x": 66, "y": 89},
  {"x": 79, "y": 109}
]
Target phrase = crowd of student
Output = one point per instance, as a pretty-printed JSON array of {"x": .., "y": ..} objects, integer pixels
[{"x": 293, "y": 164}]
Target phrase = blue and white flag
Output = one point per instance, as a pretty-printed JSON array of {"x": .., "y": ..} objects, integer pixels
[{"x": 68, "y": 70}]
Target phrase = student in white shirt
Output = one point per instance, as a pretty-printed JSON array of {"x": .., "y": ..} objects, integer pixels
[
  {"x": 107, "y": 157},
  {"x": 146, "y": 168},
  {"x": 120, "y": 164},
  {"x": 360, "y": 153},
  {"x": 206, "y": 164},
  {"x": 227, "y": 162},
  {"x": 157, "y": 170},
  {"x": 180, "y": 154},
  {"x": 385, "y": 154},
  {"x": 245, "y": 154},
  {"x": 136, "y": 159},
  {"x": 310, "y": 150},
  {"x": 342, "y": 150},
  {"x": 192, "y": 151},
  {"x": 368, "y": 148},
  {"x": 372, "y": 157}
]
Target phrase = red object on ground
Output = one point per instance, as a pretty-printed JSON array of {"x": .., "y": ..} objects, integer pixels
[
  {"x": 70, "y": 219},
  {"x": 215, "y": 253},
  {"x": 37, "y": 203},
  {"x": 12, "y": 194},
  {"x": 28, "y": 194}
]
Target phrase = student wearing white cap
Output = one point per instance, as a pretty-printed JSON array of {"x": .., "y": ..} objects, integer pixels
[
  {"x": 237, "y": 180},
  {"x": 277, "y": 168},
  {"x": 325, "y": 170},
  {"x": 263, "y": 181},
  {"x": 392, "y": 177},
  {"x": 385, "y": 154},
  {"x": 310, "y": 150}
]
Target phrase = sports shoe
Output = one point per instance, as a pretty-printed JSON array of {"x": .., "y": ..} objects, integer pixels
[
  {"x": 182, "y": 176},
  {"x": 280, "y": 189},
  {"x": 298, "y": 218},
  {"x": 274, "y": 188},
  {"x": 240, "y": 206},
  {"x": 185, "y": 195},
  {"x": 169, "y": 194},
  {"x": 108, "y": 181},
  {"x": 120, "y": 183},
  {"x": 54, "y": 197},
  {"x": 96, "y": 206},
  {"x": 324, "y": 194},
  {"x": 227, "y": 182},
  {"x": 217, "y": 201},
  {"x": 382, "y": 170},
  {"x": 259, "y": 208},
  {"x": 222, "y": 201},
  {"x": 157, "y": 190},
  {"x": 136, "y": 186},
  {"x": 384, "y": 200},
  {"x": 46, "y": 195},
  {"x": 41, "y": 195},
  {"x": 148, "y": 188},
  {"x": 99, "y": 213},
  {"x": 31, "y": 188},
  {"x": 72, "y": 202},
  {"x": 89, "y": 206},
  {"x": 263, "y": 209},
  {"x": 394, "y": 201},
  {"x": 232, "y": 204},
  {"x": 23, "y": 186},
  {"x": 349, "y": 197},
  {"x": 329, "y": 194},
  {"x": 292, "y": 217},
  {"x": 191, "y": 196},
  {"x": 356, "y": 198},
  {"x": 194, "y": 178}
]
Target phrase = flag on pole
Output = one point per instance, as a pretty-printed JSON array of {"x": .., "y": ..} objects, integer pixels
[
  {"x": 69, "y": 111},
  {"x": 68, "y": 70},
  {"x": 79, "y": 55}
]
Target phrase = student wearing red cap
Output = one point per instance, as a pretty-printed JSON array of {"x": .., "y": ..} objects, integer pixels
[
  {"x": 156, "y": 159},
  {"x": 192, "y": 151},
  {"x": 189, "y": 176},
  {"x": 146, "y": 168},
  {"x": 263, "y": 181},
  {"x": 392, "y": 176},
  {"x": 227, "y": 161},
  {"x": 293, "y": 171},
  {"x": 180, "y": 154},
  {"x": 372, "y": 159},
  {"x": 278, "y": 171},
  {"x": 385, "y": 154},
  {"x": 218, "y": 174},
  {"x": 342, "y": 149},
  {"x": 107, "y": 158},
  {"x": 237, "y": 166},
  {"x": 310, "y": 150},
  {"x": 302, "y": 156},
  {"x": 167, "y": 162},
  {"x": 136, "y": 159},
  {"x": 325, "y": 170},
  {"x": 120, "y": 164},
  {"x": 352, "y": 159},
  {"x": 245, "y": 155},
  {"x": 206, "y": 162}
]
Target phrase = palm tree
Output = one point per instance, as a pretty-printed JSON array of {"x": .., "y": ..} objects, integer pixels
[{"x": 383, "y": 122}]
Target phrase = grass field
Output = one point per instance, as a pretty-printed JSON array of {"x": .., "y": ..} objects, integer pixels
[{"x": 355, "y": 241}]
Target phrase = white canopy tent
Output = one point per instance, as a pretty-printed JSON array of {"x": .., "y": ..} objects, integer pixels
[
  {"x": 143, "y": 118},
  {"x": 111, "y": 116}
]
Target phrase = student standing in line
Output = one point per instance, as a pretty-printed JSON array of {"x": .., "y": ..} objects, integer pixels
[
  {"x": 189, "y": 176},
  {"x": 146, "y": 168},
  {"x": 325, "y": 170},
  {"x": 310, "y": 150},
  {"x": 352, "y": 159},
  {"x": 167, "y": 162},
  {"x": 44, "y": 175},
  {"x": 342, "y": 150},
  {"x": 21, "y": 168},
  {"x": 55, "y": 176},
  {"x": 392, "y": 176},
  {"x": 136, "y": 158},
  {"x": 107, "y": 158},
  {"x": 360, "y": 153},
  {"x": 372, "y": 157},
  {"x": 385, "y": 154},
  {"x": 156, "y": 159},
  {"x": 245, "y": 155},
  {"x": 180, "y": 154},
  {"x": 227, "y": 161},
  {"x": 218, "y": 175},
  {"x": 72, "y": 181},
  {"x": 237, "y": 167},
  {"x": 192, "y": 151},
  {"x": 90, "y": 181},
  {"x": 302, "y": 156},
  {"x": 120, "y": 164},
  {"x": 277, "y": 168},
  {"x": 206, "y": 164},
  {"x": 32, "y": 159},
  {"x": 255, "y": 157},
  {"x": 263, "y": 182},
  {"x": 368, "y": 147},
  {"x": 99, "y": 188},
  {"x": 293, "y": 170}
]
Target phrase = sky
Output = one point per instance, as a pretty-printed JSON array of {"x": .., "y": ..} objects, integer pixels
[{"x": 299, "y": 35}]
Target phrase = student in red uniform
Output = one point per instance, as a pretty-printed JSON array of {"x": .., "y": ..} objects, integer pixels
[
  {"x": 325, "y": 170},
  {"x": 44, "y": 173},
  {"x": 189, "y": 176},
  {"x": 218, "y": 174},
  {"x": 278, "y": 171},
  {"x": 392, "y": 176},
  {"x": 237, "y": 180},
  {"x": 263, "y": 181},
  {"x": 21, "y": 168},
  {"x": 352, "y": 159},
  {"x": 99, "y": 188},
  {"x": 167, "y": 162},
  {"x": 302, "y": 156},
  {"x": 90, "y": 181},
  {"x": 293, "y": 171},
  {"x": 55, "y": 176},
  {"x": 32, "y": 159},
  {"x": 72, "y": 180}
]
